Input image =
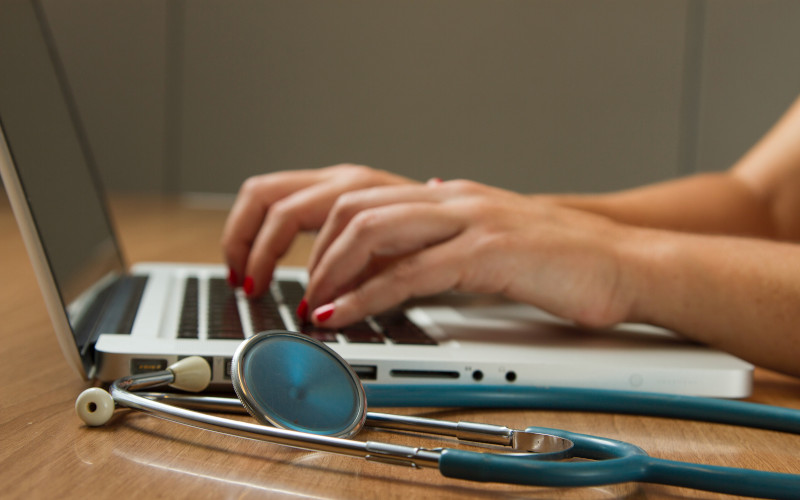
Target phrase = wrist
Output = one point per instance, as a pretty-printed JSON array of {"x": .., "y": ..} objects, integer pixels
[{"x": 649, "y": 279}]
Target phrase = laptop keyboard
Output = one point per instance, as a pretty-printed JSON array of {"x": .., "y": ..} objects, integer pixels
[{"x": 225, "y": 322}]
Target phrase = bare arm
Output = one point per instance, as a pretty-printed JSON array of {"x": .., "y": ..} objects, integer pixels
[
  {"x": 713, "y": 203},
  {"x": 738, "y": 294},
  {"x": 759, "y": 196}
]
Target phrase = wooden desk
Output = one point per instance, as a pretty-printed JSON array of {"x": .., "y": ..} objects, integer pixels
[{"x": 46, "y": 452}]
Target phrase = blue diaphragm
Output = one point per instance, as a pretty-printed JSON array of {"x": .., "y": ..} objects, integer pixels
[{"x": 295, "y": 382}]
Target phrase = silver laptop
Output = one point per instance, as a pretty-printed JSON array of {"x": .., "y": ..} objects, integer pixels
[{"x": 112, "y": 320}]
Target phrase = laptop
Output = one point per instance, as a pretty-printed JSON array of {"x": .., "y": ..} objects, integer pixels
[{"x": 112, "y": 319}]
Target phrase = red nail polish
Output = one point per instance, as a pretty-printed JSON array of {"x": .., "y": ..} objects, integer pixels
[
  {"x": 248, "y": 285},
  {"x": 324, "y": 313},
  {"x": 232, "y": 278},
  {"x": 302, "y": 310}
]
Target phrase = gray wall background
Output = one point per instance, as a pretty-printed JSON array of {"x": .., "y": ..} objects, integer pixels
[{"x": 192, "y": 96}]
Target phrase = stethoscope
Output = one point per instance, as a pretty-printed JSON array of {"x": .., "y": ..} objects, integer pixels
[{"x": 306, "y": 396}]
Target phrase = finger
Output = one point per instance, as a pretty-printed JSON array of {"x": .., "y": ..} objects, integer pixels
[
  {"x": 426, "y": 272},
  {"x": 303, "y": 210},
  {"x": 248, "y": 213},
  {"x": 350, "y": 204},
  {"x": 258, "y": 194},
  {"x": 385, "y": 231}
]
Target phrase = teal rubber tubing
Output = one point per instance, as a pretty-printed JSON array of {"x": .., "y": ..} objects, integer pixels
[
  {"x": 617, "y": 462},
  {"x": 598, "y": 400}
]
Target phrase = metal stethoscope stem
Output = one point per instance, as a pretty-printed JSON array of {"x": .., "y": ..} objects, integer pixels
[{"x": 176, "y": 408}]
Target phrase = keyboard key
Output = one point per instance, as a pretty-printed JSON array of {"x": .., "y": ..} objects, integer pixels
[
  {"x": 264, "y": 314},
  {"x": 188, "y": 325},
  {"x": 223, "y": 313},
  {"x": 292, "y": 292},
  {"x": 400, "y": 330},
  {"x": 362, "y": 333},
  {"x": 318, "y": 333}
]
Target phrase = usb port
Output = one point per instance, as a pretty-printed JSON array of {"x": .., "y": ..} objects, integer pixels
[
  {"x": 366, "y": 372},
  {"x": 228, "y": 368}
]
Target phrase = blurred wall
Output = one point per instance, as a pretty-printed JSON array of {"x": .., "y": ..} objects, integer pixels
[{"x": 533, "y": 95}]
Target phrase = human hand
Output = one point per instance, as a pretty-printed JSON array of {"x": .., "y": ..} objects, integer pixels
[
  {"x": 383, "y": 245},
  {"x": 271, "y": 209}
]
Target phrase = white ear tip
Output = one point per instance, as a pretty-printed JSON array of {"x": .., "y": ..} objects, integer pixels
[
  {"x": 95, "y": 406},
  {"x": 191, "y": 374}
]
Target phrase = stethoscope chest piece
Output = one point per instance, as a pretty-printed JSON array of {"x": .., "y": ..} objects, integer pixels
[{"x": 287, "y": 380}]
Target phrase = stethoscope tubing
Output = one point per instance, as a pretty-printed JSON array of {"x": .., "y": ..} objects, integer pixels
[
  {"x": 721, "y": 411},
  {"x": 617, "y": 462},
  {"x": 463, "y": 464},
  {"x": 621, "y": 463}
]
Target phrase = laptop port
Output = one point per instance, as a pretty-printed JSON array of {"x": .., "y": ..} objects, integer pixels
[
  {"x": 143, "y": 365},
  {"x": 424, "y": 374},
  {"x": 366, "y": 372}
]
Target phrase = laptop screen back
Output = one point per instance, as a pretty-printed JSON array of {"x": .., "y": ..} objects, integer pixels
[{"x": 51, "y": 156}]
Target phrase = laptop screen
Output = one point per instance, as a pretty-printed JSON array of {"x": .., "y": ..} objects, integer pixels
[{"x": 51, "y": 155}]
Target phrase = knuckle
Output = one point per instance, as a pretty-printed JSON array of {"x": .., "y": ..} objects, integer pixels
[
  {"x": 476, "y": 209},
  {"x": 251, "y": 186},
  {"x": 342, "y": 210},
  {"x": 464, "y": 186},
  {"x": 362, "y": 175},
  {"x": 347, "y": 202},
  {"x": 351, "y": 170},
  {"x": 234, "y": 244},
  {"x": 405, "y": 271},
  {"x": 283, "y": 211},
  {"x": 365, "y": 223},
  {"x": 360, "y": 299},
  {"x": 227, "y": 242}
]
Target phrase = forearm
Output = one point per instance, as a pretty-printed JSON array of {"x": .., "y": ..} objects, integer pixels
[
  {"x": 715, "y": 203},
  {"x": 737, "y": 294},
  {"x": 758, "y": 196}
]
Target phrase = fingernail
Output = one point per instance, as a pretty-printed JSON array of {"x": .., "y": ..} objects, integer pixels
[
  {"x": 232, "y": 278},
  {"x": 324, "y": 313},
  {"x": 433, "y": 181},
  {"x": 302, "y": 310},
  {"x": 248, "y": 285}
]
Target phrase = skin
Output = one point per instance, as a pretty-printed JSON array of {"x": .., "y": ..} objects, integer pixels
[
  {"x": 271, "y": 209},
  {"x": 712, "y": 256}
]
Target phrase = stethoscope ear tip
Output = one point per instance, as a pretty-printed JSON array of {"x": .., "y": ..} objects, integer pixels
[
  {"x": 192, "y": 374},
  {"x": 95, "y": 406}
]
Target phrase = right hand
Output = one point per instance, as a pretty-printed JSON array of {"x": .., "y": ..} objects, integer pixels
[
  {"x": 382, "y": 246},
  {"x": 271, "y": 209}
]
